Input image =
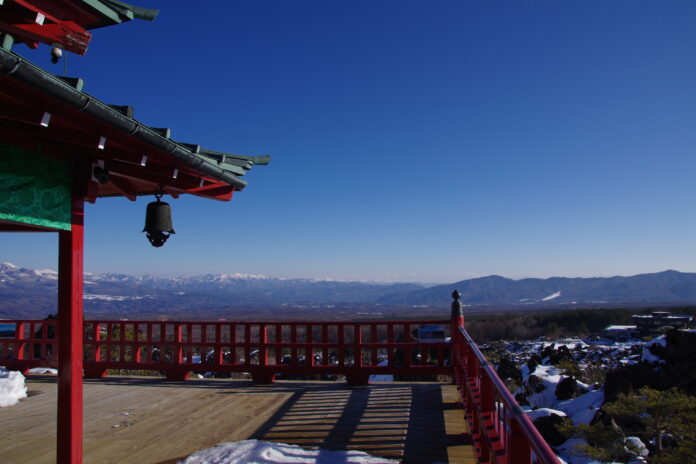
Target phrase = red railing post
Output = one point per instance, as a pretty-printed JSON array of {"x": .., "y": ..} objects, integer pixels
[
  {"x": 261, "y": 375},
  {"x": 278, "y": 341},
  {"x": 177, "y": 352},
  {"x": 233, "y": 344},
  {"x": 357, "y": 351},
  {"x": 293, "y": 343},
  {"x": 325, "y": 341},
  {"x": 341, "y": 346},
  {"x": 109, "y": 330},
  {"x": 217, "y": 350},
  {"x": 309, "y": 351},
  {"x": 408, "y": 349},
  {"x": 390, "y": 340},
  {"x": 176, "y": 372},
  {"x": 136, "y": 354},
  {"x": 520, "y": 449},
  {"x": 19, "y": 335},
  {"x": 122, "y": 342},
  {"x": 149, "y": 346},
  {"x": 263, "y": 349},
  {"x": 373, "y": 341},
  {"x": 189, "y": 343}
]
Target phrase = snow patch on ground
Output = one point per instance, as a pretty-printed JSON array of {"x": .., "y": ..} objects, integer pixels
[
  {"x": 553, "y": 296},
  {"x": 12, "y": 387},
  {"x": 261, "y": 452},
  {"x": 42, "y": 370}
]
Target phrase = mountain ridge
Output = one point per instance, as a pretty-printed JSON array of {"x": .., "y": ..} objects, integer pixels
[{"x": 28, "y": 292}]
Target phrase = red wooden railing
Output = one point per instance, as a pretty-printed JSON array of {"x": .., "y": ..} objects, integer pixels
[
  {"x": 354, "y": 349},
  {"x": 501, "y": 431}
]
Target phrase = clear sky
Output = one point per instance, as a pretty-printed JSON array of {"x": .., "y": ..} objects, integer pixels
[{"x": 412, "y": 140}]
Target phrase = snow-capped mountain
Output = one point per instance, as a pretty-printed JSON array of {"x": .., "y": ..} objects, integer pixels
[{"x": 31, "y": 292}]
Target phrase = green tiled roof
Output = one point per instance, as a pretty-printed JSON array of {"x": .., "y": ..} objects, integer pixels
[
  {"x": 115, "y": 12},
  {"x": 225, "y": 167}
]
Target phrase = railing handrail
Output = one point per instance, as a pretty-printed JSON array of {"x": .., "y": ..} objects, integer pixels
[{"x": 539, "y": 445}]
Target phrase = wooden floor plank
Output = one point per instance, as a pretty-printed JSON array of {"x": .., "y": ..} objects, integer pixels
[{"x": 153, "y": 421}]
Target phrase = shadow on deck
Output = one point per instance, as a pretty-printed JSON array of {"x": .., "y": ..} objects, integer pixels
[{"x": 399, "y": 421}]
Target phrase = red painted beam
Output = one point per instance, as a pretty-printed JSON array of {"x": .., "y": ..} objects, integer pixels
[
  {"x": 217, "y": 191},
  {"x": 21, "y": 22},
  {"x": 125, "y": 186},
  {"x": 70, "y": 357}
]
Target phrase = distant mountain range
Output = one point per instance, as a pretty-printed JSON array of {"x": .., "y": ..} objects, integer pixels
[
  {"x": 644, "y": 289},
  {"x": 32, "y": 293}
]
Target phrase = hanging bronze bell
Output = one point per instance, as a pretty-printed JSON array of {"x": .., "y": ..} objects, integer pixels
[{"x": 158, "y": 222}]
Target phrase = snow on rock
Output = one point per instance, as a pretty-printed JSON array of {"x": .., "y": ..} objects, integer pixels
[
  {"x": 637, "y": 445},
  {"x": 543, "y": 382},
  {"x": 647, "y": 354},
  {"x": 12, "y": 387},
  {"x": 582, "y": 409},
  {"x": 570, "y": 343},
  {"x": 570, "y": 452},
  {"x": 544, "y": 412},
  {"x": 261, "y": 452}
]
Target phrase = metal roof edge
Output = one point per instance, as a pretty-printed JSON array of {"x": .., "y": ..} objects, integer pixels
[{"x": 14, "y": 65}]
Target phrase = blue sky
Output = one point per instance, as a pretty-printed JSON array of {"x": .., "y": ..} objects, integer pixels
[{"x": 411, "y": 140}]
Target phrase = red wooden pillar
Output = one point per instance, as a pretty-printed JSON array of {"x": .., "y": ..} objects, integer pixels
[{"x": 70, "y": 358}]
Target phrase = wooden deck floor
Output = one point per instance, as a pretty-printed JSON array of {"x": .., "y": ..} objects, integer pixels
[{"x": 152, "y": 421}]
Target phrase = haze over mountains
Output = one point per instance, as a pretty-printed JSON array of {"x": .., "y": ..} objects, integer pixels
[{"x": 32, "y": 293}]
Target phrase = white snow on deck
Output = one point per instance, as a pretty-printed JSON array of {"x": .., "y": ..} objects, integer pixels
[
  {"x": 262, "y": 452},
  {"x": 12, "y": 387}
]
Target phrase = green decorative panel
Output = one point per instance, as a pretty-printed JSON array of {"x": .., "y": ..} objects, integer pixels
[{"x": 34, "y": 189}]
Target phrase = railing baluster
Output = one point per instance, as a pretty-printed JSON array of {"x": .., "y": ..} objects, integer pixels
[
  {"x": 357, "y": 352},
  {"x": 293, "y": 345},
  {"x": 263, "y": 353},
  {"x": 341, "y": 345},
  {"x": 309, "y": 351},
  {"x": 278, "y": 341},
  {"x": 19, "y": 335},
  {"x": 217, "y": 350},
  {"x": 390, "y": 340}
]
